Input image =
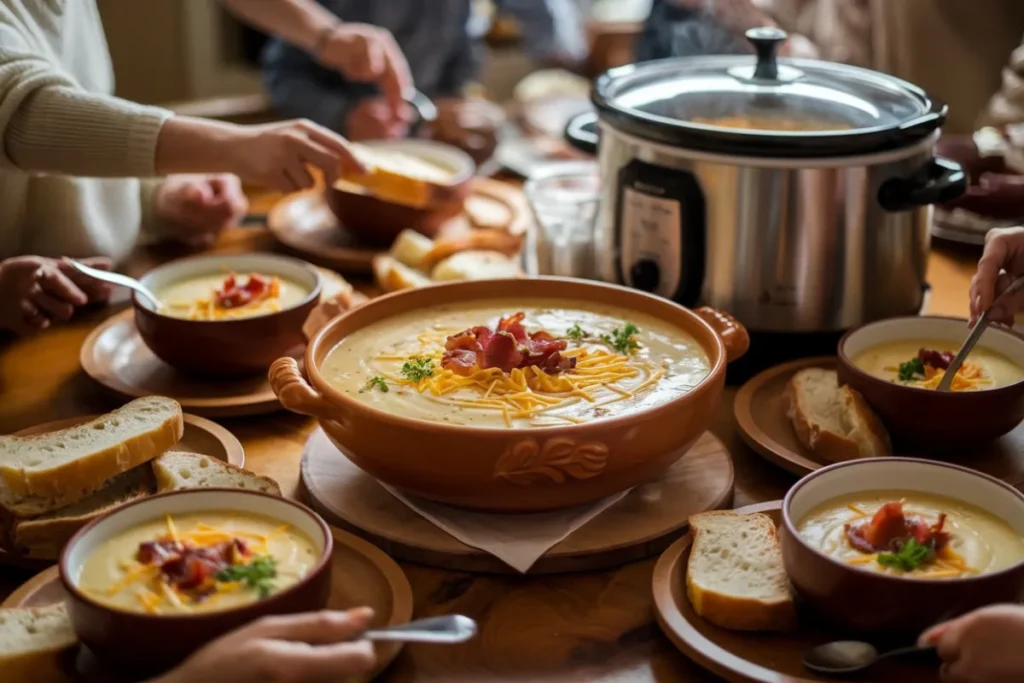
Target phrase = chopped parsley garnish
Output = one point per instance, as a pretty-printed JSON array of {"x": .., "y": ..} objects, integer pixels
[
  {"x": 375, "y": 383},
  {"x": 909, "y": 556},
  {"x": 577, "y": 333},
  {"x": 258, "y": 575},
  {"x": 622, "y": 340},
  {"x": 416, "y": 369},
  {"x": 911, "y": 369}
]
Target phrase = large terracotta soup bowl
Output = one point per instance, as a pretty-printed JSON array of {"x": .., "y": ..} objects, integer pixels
[
  {"x": 138, "y": 641},
  {"x": 227, "y": 347},
  {"x": 860, "y": 596},
  {"x": 501, "y": 467},
  {"x": 926, "y": 420}
]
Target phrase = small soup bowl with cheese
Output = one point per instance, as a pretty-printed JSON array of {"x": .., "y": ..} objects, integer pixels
[
  {"x": 224, "y": 315},
  {"x": 156, "y": 579},
  {"x": 896, "y": 364},
  {"x": 896, "y": 545}
]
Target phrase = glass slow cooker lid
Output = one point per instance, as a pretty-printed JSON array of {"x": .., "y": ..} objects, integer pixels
[{"x": 763, "y": 106}]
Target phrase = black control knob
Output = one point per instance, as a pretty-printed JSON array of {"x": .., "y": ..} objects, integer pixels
[{"x": 645, "y": 275}]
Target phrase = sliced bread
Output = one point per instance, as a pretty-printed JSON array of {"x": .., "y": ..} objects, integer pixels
[
  {"x": 834, "y": 422},
  {"x": 410, "y": 247},
  {"x": 397, "y": 177},
  {"x": 735, "y": 577},
  {"x": 36, "y": 645},
  {"x": 79, "y": 460},
  {"x": 44, "y": 537},
  {"x": 393, "y": 275},
  {"x": 476, "y": 265},
  {"x": 175, "y": 471}
]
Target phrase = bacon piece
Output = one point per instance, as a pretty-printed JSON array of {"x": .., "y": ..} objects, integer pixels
[
  {"x": 889, "y": 527},
  {"x": 460, "y": 361},
  {"x": 513, "y": 324},
  {"x": 463, "y": 340},
  {"x": 158, "y": 552},
  {"x": 506, "y": 348},
  {"x": 232, "y": 294},
  {"x": 502, "y": 352},
  {"x": 940, "y": 360}
]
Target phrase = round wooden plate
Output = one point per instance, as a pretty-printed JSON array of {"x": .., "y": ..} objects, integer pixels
[
  {"x": 115, "y": 356},
  {"x": 305, "y": 224},
  {"x": 760, "y": 411},
  {"x": 641, "y": 525},
  {"x": 361, "y": 575},
  {"x": 743, "y": 657},
  {"x": 201, "y": 436}
]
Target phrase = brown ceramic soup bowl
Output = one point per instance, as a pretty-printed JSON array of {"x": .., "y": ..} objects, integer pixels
[
  {"x": 862, "y": 600},
  {"x": 924, "y": 420},
  {"x": 523, "y": 469},
  {"x": 143, "y": 643},
  {"x": 376, "y": 221},
  {"x": 232, "y": 347}
]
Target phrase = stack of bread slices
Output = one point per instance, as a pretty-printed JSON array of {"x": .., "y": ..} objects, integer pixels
[
  {"x": 418, "y": 261},
  {"x": 53, "y": 484}
]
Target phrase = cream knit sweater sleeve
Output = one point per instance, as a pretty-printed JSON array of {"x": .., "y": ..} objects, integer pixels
[{"x": 50, "y": 123}]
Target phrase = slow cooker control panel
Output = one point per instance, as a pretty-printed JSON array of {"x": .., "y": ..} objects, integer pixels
[{"x": 661, "y": 232}]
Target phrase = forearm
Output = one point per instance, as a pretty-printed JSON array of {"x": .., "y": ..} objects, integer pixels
[
  {"x": 298, "y": 22},
  {"x": 192, "y": 145}
]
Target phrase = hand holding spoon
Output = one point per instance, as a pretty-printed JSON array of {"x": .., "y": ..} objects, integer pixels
[
  {"x": 117, "y": 279},
  {"x": 849, "y": 656},
  {"x": 452, "y": 628}
]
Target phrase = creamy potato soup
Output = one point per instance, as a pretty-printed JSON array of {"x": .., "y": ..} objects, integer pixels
[
  {"x": 913, "y": 534},
  {"x": 225, "y": 296},
  {"x": 922, "y": 362},
  {"x": 517, "y": 364},
  {"x": 196, "y": 563}
]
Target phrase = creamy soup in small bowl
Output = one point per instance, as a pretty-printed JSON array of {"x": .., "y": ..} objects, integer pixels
[
  {"x": 227, "y": 314},
  {"x": 897, "y": 365},
  {"x": 155, "y": 580},
  {"x": 899, "y": 544},
  {"x": 514, "y": 395}
]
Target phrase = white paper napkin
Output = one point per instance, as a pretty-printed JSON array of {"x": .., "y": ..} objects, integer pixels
[{"x": 517, "y": 540}]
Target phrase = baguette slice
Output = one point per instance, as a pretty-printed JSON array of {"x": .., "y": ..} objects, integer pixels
[
  {"x": 396, "y": 177},
  {"x": 410, "y": 248},
  {"x": 831, "y": 421},
  {"x": 735, "y": 578},
  {"x": 175, "y": 471},
  {"x": 393, "y": 276},
  {"x": 79, "y": 460},
  {"x": 36, "y": 645},
  {"x": 45, "y": 536},
  {"x": 476, "y": 265}
]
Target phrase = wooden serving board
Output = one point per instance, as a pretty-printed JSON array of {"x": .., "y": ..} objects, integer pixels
[
  {"x": 361, "y": 575},
  {"x": 639, "y": 526},
  {"x": 742, "y": 657},
  {"x": 305, "y": 224},
  {"x": 760, "y": 410}
]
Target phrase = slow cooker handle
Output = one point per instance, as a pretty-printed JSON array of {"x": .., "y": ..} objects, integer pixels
[
  {"x": 581, "y": 132},
  {"x": 940, "y": 181}
]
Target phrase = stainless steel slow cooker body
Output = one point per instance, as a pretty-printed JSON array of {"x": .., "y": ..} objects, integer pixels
[{"x": 790, "y": 231}]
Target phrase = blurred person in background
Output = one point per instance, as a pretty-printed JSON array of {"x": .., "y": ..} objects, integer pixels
[{"x": 346, "y": 64}]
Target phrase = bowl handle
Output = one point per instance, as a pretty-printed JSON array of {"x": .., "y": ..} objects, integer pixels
[
  {"x": 731, "y": 331},
  {"x": 296, "y": 394}
]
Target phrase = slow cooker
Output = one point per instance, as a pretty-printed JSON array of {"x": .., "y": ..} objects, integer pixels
[{"x": 795, "y": 194}]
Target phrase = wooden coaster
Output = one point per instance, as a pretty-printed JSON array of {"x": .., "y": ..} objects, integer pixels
[
  {"x": 361, "y": 575},
  {"x": 305, "y": 224},
  {"x": 115, "y": 356},
  {"x": 741, "y": 657},
  {"x": 760, "y": 410},
  {"x": 641, "y": 525}
]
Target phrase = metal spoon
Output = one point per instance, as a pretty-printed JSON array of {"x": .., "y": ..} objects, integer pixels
[
  {"x": 973, "y": 337},
  {"x": 848, "y": 656},
  {"x": 452, "y": 628},
  {"x": 424, "y": 106},
  {"x": 117, "y": 279}
]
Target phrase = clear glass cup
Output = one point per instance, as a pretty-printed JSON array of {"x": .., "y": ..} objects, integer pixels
[{"x": 565, "y": 198}]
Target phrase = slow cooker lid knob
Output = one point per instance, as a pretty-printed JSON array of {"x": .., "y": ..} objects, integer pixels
[{"x": 766, "y": 41}]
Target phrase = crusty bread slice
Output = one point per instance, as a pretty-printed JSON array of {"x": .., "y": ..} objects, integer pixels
[
  {"x": 397, "y": 177},
  {"x": 410, "y": 247},
  {"x": 735, "y": 578},
  {"x": 79, "y": 460},
  {"x": 44, "y": 537},
  {"x": 476, "y": 265},
  {"x": 176, "y": 470},
  {"x": 834, "y": 422},
  {"x": 36, "y": 644},
  {"x": 393, "y": 276}
]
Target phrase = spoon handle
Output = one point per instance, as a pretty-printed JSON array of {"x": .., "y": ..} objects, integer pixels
[
  {"x": 114, "y": 279},
  {"x": 912, "y": 649},
  {"x": 446, "y": 629}
]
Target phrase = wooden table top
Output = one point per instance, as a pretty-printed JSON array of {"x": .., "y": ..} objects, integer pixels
[{"x": 595, "y": 627}]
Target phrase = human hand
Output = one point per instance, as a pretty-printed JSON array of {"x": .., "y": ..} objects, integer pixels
[
  {"x": 301, "y": 648},
  {"x": 36, "y": 292},
  {"x": 275, "y": 155},
  {"x": 982, "y": 646},
  {"x": 197, "y": 208},
  {"x": 374, "y": 119},
  {"x": 368, "y": 54},
  {"x": 1000, "y": 264}
]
